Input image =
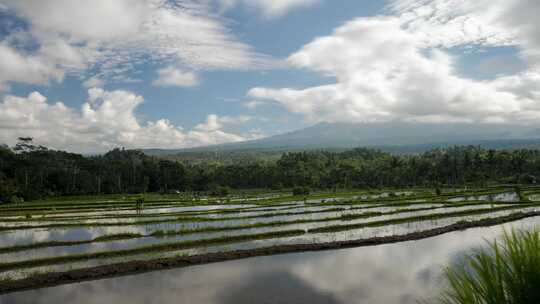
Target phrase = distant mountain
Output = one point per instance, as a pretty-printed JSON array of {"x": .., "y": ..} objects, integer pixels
[{"x": 392, "y": 137}]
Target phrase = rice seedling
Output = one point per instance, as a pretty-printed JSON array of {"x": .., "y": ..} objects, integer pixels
[
  {"x": 427, "y": 217},
  {"x": 147, "y": 249},
  {"x": 37, "y": 245},
  {"x": 507, "y": 271}
]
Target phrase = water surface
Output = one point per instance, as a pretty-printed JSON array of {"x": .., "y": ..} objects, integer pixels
[{"x": 397, "y": 273}]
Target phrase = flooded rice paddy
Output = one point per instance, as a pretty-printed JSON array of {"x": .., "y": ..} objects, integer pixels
[
  {"x": 41, "y": 238},
  {"x": 386, "y": 274}
]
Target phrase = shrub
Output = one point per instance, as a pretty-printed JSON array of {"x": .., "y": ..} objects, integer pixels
[
  {"x": 7, "y": 190},
  {"x": 506, "y": 272},
  {"x": 139, "y": 202},
  {"x": 16, "y": 200},
  {"x": 521, "y": 195},
  {"x": 277, "y": 186},
  {"x": 301, "y": 191},
  {"x": 220, "y": 191}
]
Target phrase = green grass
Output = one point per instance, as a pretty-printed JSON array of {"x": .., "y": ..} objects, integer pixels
[
  {"x": 434, "y": 216},
  {"x": 116, "y": 200},
  {"x": 348, "y": 217},
  {"x": 212, "y": 229},
  {"x": 146, "y": 249},
  {"x": 6, "y": 280},
  {"x": 507, "y": 272},
  {"x": 43, "y": 216},
  {"x": 100, "y": 203},
  {"x": 37, "y": 245},
  {"x": 344, "y": 206}
]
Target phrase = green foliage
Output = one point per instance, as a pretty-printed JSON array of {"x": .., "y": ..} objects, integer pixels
[
  {"x": 36, "y": 172},
  {"x": 507, "y": 272},
  {"x": 522, "y": 196},
  {"x": 297, "y": 191},
  {"x": 16, "y": 200},
  {"x": 219, "y": 190},
  {"x": 277, "y": 186},
  {"x": 6, "y": 192},
  {"x": 139, "y": 203}
]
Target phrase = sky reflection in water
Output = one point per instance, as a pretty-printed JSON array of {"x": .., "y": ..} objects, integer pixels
[{"x": 397, "y": 273}]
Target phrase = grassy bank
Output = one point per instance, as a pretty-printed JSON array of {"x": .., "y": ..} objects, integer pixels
[{"x": 507, "y": 271}]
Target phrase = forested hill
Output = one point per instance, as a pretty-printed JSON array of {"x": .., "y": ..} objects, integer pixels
[
  {"x": 225, "y": 155},
  {"x": 31, "y": 172},
  {"x": 394, "y": 137}
]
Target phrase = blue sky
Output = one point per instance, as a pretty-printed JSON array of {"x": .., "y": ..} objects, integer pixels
[
  {"x": 173, "y": 74},
  {"x": 223, "y": 91}
]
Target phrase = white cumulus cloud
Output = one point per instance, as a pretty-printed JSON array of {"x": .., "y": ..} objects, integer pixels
[
  {"x": 15, "y": 66},
  {"x": 106, "y": 120},
  {"x": 396, "y": 67},
  {"x": 215, "y": 122},
  {"x": 171, "y": 76},
  {"x": 253, "y": 104}
]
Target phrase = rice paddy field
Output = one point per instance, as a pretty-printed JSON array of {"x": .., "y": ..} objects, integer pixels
[{"x": 82, "y": 234}]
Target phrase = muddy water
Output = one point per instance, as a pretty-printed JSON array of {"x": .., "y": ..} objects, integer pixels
[
  {"x": 29, "y": 236},
  {"x": 498, "y": 197},
  {"x": 397, "y": 273}
]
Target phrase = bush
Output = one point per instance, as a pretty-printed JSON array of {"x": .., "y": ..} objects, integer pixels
[
  {"x": 277, "y": 186},
  {"x": 139, "y": 202},
  {"x": 16, "y": 200},
  {"x": 220, "y": 191},
  {"x": 506, "y": 272},
  {"x": 301, "y": 191},
  {"x": 7, "y": 190},
  {"x": 520, "y": 193}
]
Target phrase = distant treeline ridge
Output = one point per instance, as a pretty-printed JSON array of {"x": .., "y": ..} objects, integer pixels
[{"x": 31, "y": 172}]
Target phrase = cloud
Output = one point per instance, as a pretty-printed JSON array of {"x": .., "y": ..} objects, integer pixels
[
  {"x": 454, "y": 22},
  {"x": 483, "y": 22},
  {"x": 93, "y": 82},
  {"x": 106, "y": 120},
  {"x": 396, "y": 67},
  {"x": 15, "y": 66},
  {"x": 214, "y": 122},
  {"x": 171, "y": 76},
  {"x": 270, "y": 8},
  {"x": 108, "y": 39},
  {"x": 235, "y": 120},
  {"x": 409, "y": 271},
  {"x": 522, "y": 17},
  {"x": 79, "y": 19},
  {"x": 253, "y": 104}
]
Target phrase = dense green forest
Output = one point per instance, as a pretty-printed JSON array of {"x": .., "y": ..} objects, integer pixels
[{"x": 31, "y": 172}]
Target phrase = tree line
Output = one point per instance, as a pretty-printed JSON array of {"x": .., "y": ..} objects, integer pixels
[{"x": 31, "y": 172}]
